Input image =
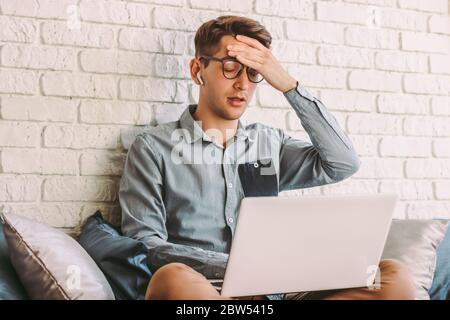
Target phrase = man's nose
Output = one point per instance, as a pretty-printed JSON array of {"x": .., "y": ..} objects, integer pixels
[{"x": 242, "y": 82}]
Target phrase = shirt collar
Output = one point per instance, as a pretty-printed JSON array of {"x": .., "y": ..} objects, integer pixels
[{"x": 193, "y": 131}]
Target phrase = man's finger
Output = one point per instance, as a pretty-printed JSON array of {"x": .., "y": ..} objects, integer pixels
[
  {"x": 250, "y": 63},
  {"x": 246, "y": 55},
  {"x": 245, "y": 48},
  {"x": 251, "y": 42}
]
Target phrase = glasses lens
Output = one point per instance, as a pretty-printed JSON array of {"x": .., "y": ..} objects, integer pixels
[
  {"x": 231, "y": 68},
  {"x": 253, "y": 75}
]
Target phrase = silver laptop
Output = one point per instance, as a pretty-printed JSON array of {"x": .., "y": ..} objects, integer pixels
[{"x": 284, "y": 245}]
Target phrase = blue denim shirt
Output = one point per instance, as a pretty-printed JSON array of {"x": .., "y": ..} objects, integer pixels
[{"x": 180, "y": 191}]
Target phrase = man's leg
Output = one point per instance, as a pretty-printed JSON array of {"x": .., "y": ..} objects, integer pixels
[
  {"x": 395, "y": 284},
  {"x": 177, "y": 281}
]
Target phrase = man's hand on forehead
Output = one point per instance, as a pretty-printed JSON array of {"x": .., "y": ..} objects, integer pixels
[{"x": 253, "y": 54}]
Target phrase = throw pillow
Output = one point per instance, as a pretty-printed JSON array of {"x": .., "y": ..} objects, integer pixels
[
  {"x": 10, "y": 286},
  {"x": 414, "y": 242},
  {"x": 440, "y": 290},
  {"x": 123, "y": 260},
  {"x": 52, "y": 265}
]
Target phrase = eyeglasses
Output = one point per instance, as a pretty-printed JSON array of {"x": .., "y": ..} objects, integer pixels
[{"x": 232, "y": 68}]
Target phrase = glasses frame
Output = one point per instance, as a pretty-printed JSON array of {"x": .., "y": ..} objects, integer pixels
[{"x": 223, "y": 60}]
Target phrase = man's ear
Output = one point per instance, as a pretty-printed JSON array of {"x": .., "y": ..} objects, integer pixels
[{"x": 195, "y": 71}]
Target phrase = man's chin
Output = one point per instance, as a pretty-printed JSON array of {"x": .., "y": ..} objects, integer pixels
[{"x": 233, "y": 114}]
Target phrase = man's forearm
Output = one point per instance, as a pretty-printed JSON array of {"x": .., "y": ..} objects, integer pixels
[
  {"x": 288, "y": 84},
  {"x": 209, "y": 263},
  {"x": 330, "y": 158},
  {"x": 332, "y": 143}
]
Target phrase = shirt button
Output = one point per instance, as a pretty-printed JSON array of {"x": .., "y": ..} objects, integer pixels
[
  {"x": 230, "y": 185},
  {"x": 217, "y": 275},
  {"x": 230, "y": 220}
]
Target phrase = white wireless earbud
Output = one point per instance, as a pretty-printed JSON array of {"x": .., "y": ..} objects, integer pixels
[{"x": 199, "y": 78}]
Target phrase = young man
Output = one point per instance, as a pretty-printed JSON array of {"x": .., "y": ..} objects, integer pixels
[{"x": 183, "y": 181}]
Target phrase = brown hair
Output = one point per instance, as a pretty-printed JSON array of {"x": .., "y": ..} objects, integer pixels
[{"x": 209, "y": 34}]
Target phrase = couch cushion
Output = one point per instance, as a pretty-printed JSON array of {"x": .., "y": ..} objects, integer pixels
[
  {"x": 10, "y": 286},
  {"x": 414, "y": 242},
  {"x": 50, "y": 264},
  {"x": 123, "y": 260},
  {"x": 440, "y": 289}
]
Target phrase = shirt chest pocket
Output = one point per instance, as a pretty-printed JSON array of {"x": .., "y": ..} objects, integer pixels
[{"x": 258, "y": 178}]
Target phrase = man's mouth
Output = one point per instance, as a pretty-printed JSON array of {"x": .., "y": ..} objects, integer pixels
[
  {"x": 237, "y": 98},
  {"x": 236, "y": 101}
]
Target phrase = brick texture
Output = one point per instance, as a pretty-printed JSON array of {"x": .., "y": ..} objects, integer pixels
[{"x": 80, "y": 78}]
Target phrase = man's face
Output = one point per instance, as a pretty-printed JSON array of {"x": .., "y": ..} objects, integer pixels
[{"x": 218, "y": 90}]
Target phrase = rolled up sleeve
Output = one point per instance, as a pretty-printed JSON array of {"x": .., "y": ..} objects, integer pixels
[{"x": 329, "y": 157}]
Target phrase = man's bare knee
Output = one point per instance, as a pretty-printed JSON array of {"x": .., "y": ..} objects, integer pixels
[
  {"x": 166, "y": 278},
  {"x": 399, "y": 284}
]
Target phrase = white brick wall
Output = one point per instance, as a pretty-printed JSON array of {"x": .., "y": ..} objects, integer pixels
[{"x": 80, "y": 78}]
